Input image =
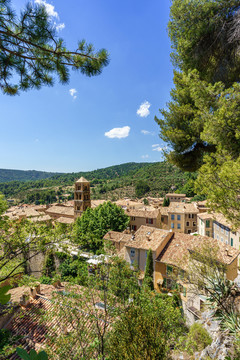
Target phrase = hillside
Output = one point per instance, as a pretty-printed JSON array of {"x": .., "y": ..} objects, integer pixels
[
  {"x": 108, "y": 183},
  {"x": 23, "y": 175}
]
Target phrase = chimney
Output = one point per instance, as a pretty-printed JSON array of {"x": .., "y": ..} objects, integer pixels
[{"x": 148, "y": 237}]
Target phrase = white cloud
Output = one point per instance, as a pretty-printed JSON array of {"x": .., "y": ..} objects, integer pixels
[
  {"x": 145, "y": 156},
  {"x": 143, "y": 110},
  {"x": 118, "y": 133},
  {"x": 157, "y": 147},
  {"x": 73, "y": 93},
  {"x": 146, "y": 132},
  {"x": 60, "y": 27},
  {"x": 49, "y": 8}
]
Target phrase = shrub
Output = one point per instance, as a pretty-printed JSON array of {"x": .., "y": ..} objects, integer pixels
[{"x": 196, "y": 340}]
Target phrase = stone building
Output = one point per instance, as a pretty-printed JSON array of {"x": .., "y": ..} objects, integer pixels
[{"x": 82, "y": 198}]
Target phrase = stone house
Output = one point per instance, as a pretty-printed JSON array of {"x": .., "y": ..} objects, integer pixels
[
  {"x": 182, "y": 217},
  {"x": 172, "y": 263},
  {"x": 175, "y": 197},
  {"x": 145, "y": 217}
]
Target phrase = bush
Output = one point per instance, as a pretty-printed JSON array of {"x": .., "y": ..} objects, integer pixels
[
  {"x": 45, "y": 280},
  {"x": 196, "y": 340}
]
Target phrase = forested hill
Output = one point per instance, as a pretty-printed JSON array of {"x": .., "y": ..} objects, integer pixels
[
  {"x": 110, "y": 172},
  {"x": 24, "y": 175},
  {"x": 109, "y": 183}
]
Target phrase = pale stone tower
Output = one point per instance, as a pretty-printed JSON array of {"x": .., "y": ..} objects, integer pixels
[{"x": 81, "y": 196}]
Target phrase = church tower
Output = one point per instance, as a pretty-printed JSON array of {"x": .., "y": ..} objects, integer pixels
[{"x": 81, "y": 196}]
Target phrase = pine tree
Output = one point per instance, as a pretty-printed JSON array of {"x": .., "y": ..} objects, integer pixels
[
  {"x": 148, "y": 275},
  {"x": 32, "y": 53}
]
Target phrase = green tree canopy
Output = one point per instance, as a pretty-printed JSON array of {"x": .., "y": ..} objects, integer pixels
[
  {"x": 201, "y": 123},
  {"x": 146, "y": 330},
  {"x": 148, "y": 274},
  {"x": 205, "y": 36},
  {"x": 31, "y": 53},
  {"x": 95, "y": 223},
  {"x": 141, "y": 188}
]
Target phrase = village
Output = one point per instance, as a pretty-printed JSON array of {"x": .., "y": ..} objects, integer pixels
[{"x": 170, "y": 233}]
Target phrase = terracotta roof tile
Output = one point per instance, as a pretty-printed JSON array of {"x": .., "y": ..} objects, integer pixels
[
  {"x": 176, "y": 252},
  {"x": 147, "y": 237}
]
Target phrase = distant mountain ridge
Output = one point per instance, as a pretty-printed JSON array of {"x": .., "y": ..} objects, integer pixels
[
  {"x": 7, "y": 175},
  {"x": 24, "y": 175}
]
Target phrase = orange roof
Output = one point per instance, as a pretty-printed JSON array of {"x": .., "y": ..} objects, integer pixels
[
  {"x": 177, "y": 250},
  {"x": 117, "y": 236},
  {"x": 147, "y": 237},
  {"x": 61, "y": 210},
  {"x": 82, "y": 180},
  {"x": 183, "y": 208},
  {"x": 143, "y": 213}
]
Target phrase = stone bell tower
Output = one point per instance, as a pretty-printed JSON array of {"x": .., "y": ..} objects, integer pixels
[{"x": 81, "y": 196}]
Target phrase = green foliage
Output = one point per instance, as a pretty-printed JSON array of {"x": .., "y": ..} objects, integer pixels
[
  {"x": 49, "y": 265},
  {"x": 141, "y": 188},
  {"x": 95, "y": 223},
  {"x": 201, "y": 124},
  {"x": 74, "y": 270},
  {"x": 166, "y": 202},
  {"x": 42, "y": 355},
  {"x": 45, "y": 280},
  {"x": 145, "y": 201},
  {"x": 204, "y": 36},
  {"x": 196, "y": 340},
  {"x": 108, "y": 182},
  {"x": 148, "y": 274},
  {"x": 35, "y": 52},
  {"x": 3, "y": 204},
  {"x": 145, "y": 330},
  {"x": 4, "y": 299}
]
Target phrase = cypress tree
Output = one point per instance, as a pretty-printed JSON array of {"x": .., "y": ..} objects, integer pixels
[{"x": 148, "y": 275}]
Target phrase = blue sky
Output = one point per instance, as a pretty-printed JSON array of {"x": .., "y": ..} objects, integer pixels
[{"x": 100, "y": 121}]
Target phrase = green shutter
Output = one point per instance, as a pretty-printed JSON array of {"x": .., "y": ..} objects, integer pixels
[{"x": 231, "y": 241}]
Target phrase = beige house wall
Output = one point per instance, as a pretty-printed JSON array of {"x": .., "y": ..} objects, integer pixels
[
  {"x": 139, "y": 221},
  {"x": 232, "y": 271},
  {"x": 202, "y": 229}
]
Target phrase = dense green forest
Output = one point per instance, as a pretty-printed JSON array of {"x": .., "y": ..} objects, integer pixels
[
  {"x": 108, "y": 183},
  {"x": 24, "y": 175}
]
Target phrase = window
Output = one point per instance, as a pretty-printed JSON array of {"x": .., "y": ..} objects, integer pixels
[
  {"x": 132, "y": 252},
  {"x": 194, "y": 223},
  {"x": 179, "y": 217},
  {"x": 172, "y": 217},
  {"x": 208, "y": 233},
  {"x": 231, "y": 241},
  {"x": 133, "y": 218},
  {"x": 134, "y": 227},
  {"x": 222, "y": 229},
  {"x": 172, "y": 225},
  {"x": 189, "y": 231},
  {"x": 191, "y": 216},
  {"x": 221, "y": 239},
  {"x": 179, "y": 226},
  {"x": 226, "y": 231},
  {"x": 207, "y": 223},
  {"x": 149, "y": 221},
  {"x": 187, "y": 223},
  {"x": 217, "y": 237}
]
